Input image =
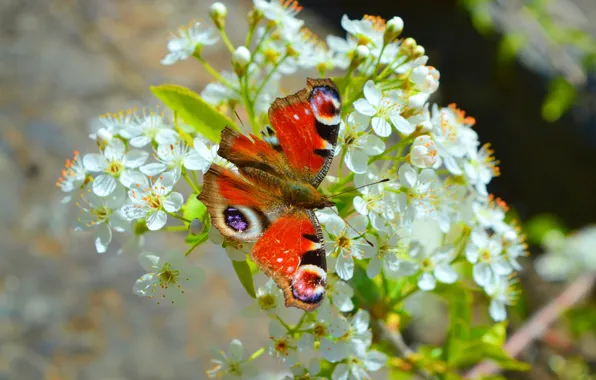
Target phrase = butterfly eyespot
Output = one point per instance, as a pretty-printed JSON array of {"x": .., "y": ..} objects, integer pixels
[
  {"x": 235, "y": 219},
  {"x": 242, "y": 223},
  {"x": 326, "y": 105},
  {"x": 308, "y": 284}
]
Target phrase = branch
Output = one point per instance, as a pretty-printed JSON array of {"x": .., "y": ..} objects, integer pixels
[
  {"x": 539, "y": 323},
  {"x": 398, "y": 343}
]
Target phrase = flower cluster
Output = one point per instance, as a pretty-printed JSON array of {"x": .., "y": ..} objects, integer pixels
[{"x": 418, "y": 216}]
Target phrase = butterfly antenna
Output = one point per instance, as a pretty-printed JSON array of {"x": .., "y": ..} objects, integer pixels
[
  {"x": 360, "y": 187},
  {"x": 244, "y": 127},
  {"x": 355, "y": 230}
]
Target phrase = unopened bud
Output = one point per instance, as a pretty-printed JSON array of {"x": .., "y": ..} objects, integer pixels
[
  {"x": 418, "y": 51},
  {"x": 196, "y": 227},
  {"x": 360, "y": 55},
  {"x": 408, "y": 46},
  {"x": 218, "y": 13},
  {"x": 240, "y": 60},
  {"x": 254, "y": 17},
  {"x": 104, "y": 135},
  {"x": 394, "y": 28},
  {"x": 424, "y": 152}
]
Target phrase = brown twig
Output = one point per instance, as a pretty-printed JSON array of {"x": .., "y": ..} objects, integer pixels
[{"x": 539, "y": 323}]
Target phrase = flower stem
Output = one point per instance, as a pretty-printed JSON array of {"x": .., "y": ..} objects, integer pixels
[
  {"x": 287, "y": 327},
  {"x": 256, "y": 354},
  {"x": 195, "y": 245},
  {"x": 269, "y": 75},
  {"x": 176, "y": 228},
  {"x": 226, "y": 40},
  {"x": 214, "y": 72},
  {"x": 191, "y": 183},
  {"x": 177, "y": 216}
]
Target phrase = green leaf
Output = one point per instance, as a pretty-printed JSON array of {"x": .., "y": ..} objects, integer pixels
[
  {"x": 367, "y": 290},
  {"x": 355, "y": 81},
  {"x": 540, "y": 225},
  {"x": 560, "y": 98},
  {"x": 191, "y": 108},
  {"x": 245, "y": 276}
]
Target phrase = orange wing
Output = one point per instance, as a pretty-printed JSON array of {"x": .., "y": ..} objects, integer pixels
[
  {"x": 292, "y": 252},
  {"x": 306, "y": 126}
]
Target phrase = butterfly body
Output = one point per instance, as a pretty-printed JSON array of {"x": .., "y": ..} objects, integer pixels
[{"x": 270, "y": 197}]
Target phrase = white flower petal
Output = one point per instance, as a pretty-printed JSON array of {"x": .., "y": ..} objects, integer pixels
[
  {"x": 236, "y": 350},
  {"x": 139, "y": 141},
  {"x": 381, "y": 126},
  {"x": 445, "y": 273},
  {"x": 497, "y": 311},
  {"x": 374, "y": 267},
  {"x": 173, "y": 202},
  {"x": 356, "y": 160},
  {"x": 149, "y": 262},
  {"x": 408, "y": 176},
  {"x": 157, "y": 220},
  {"x": 95, "y": 162},
  {"x": 372, "y": 93},
  {"x": 136, "y": 158},
  {"x": 482, "y": 274},
  {"x": 344, "y": 267},
  {"x": 341, "y": 372},
  {"x": 401, "y": 123},
  {"x": 373, "y": 145},
  {"x": 374, "y": 360},
  {"x": 103, "y": 238},
  {"x": 131, "y": 178},
  {"x": 360, "y": 205},
  {"x": 144, "y": 284},
  {"x": 364, "y": 107},
  {"x": 104, "y": 185},
  {"x": 194, "y": 161},
  {"x": 153, "y": 168},
  {"x": 426, "y": 282}
]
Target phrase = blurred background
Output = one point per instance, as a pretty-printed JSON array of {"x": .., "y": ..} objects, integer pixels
[{"x": 524, "y": 69}]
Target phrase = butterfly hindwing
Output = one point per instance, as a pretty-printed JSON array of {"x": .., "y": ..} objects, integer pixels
[
  {"x": 292, "y": 252},
  {"x": 239, "y": 208},
  {"x": 306, "y": 126}
]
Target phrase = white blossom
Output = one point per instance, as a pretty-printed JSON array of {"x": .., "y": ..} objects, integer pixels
[
  {"x": 167, "y": 277},
  {"x": 231, "y": 365},
  {"x": 282, "y": 13},
  {"x": 485, "y": 252},
  {"x": 423, "y": 153},
  {"x": 150, "y": 127},
  {"x": 74, "y": 175},
  {"x": 153, "y": 201},
  {"x": 174, "y": 157},
  {"x": 358, "y": 143},
  {"x": 502, "y": 292},
  {"x": 115, "y": 165},
  {"x": 102, "y": 214},
  {"x": 480, "y": 168},
  {"x": 418, "y": 198},
  {"x": 385, "y": 110},
  {"x": 343, "y": 244},
  {"x": 188, "y": 39}
]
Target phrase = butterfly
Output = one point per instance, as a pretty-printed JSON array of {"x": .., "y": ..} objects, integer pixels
[{"x": 270, "y": 199}]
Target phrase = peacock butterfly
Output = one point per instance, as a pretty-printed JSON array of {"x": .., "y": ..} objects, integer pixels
[{"x": 271, "y": 197}]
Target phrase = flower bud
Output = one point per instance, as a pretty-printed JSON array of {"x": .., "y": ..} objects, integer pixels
[
  {"x": 418, "y": 51},
  {"x": 196, "y": 227},
  {"x": 394, "y": 28},
  {"x": 360, "y": 55},
  {"x": 240, "y": 60},
  {"x": 423, "y": 153},
  {"x": 218, "y": 13},
  {"x": 417, "y": 101},
  {"x": 254, "y": 17}
]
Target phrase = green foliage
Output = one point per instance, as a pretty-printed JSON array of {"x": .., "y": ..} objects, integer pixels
[
  {"x": 560, "y": 98},
  {"x": 582, "y": 320},
  {"x": 540, "y": 225},
  {"x": 195, "y": 209},
  {"x": 467, "y": 344},
  {"x": 193, "y": 110},
  {"x": 245, "y": 276}
]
